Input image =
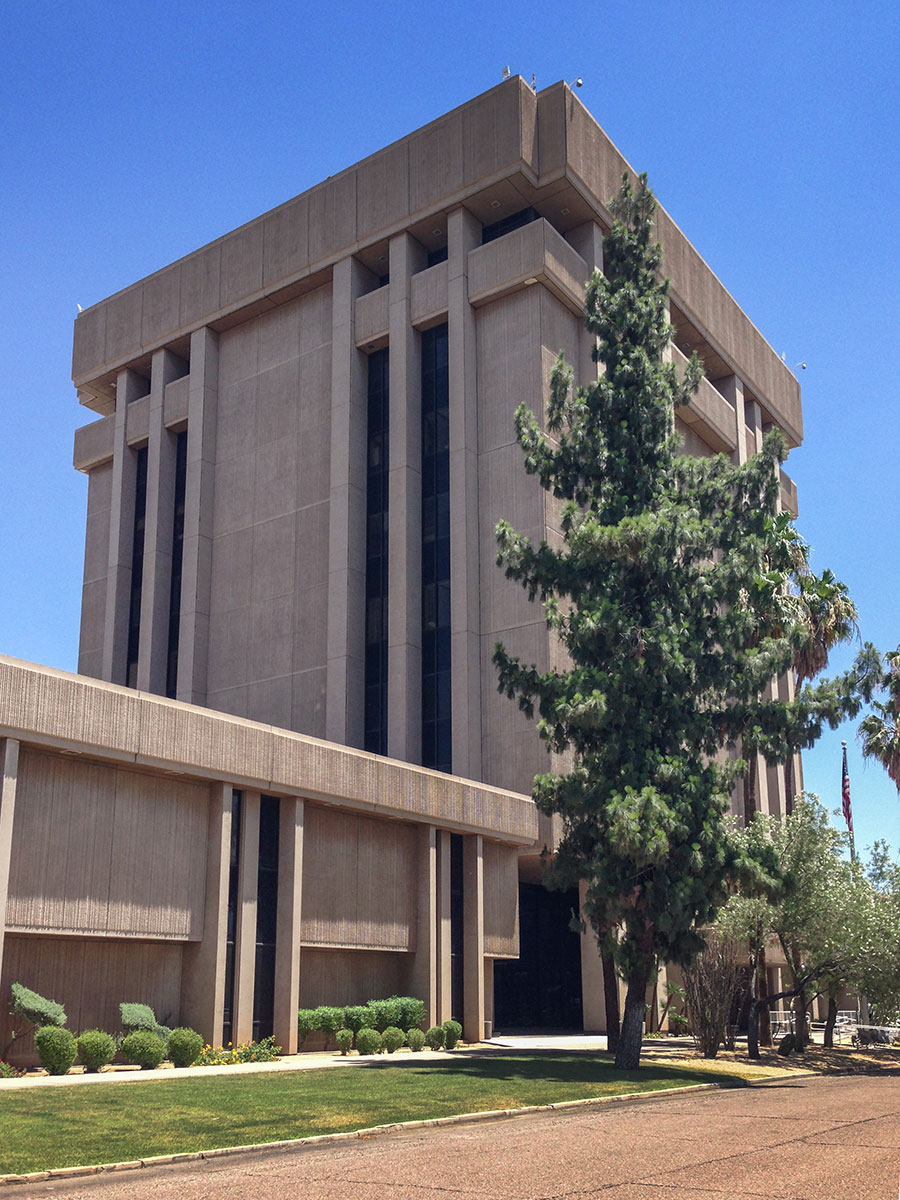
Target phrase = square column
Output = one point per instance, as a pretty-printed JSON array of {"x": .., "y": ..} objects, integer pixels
[
  {"x": 287, "y": 933},
  {"x": 473, "y": 938},
  {"x": 444, "y": 963},
  {"x": 732, "y": 388},
  {"x": 193, "y": 639},
  {"x": 158, "y": 531},
  {"x": 463, "y": 235},
  {"x": 129, "y": 386},
  {"x": 423, "y": 979},
  {"x": 587, "y": 240},
  {"x": 245, "y": 921},
  {"x": 344, "y": 711},
  {"x": 203, "y": 964},
  {"x": 9, "y": 766},
  {"x": 405, "y": 509}
]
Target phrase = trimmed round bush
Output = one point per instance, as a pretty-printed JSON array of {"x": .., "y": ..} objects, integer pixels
[
  {"x": 344, "y": 1039},
  {"x": 184, "y": 1046},
  {"x": 329, "y": 1020},
  {"x": 415, "y": 1039},
  {"x": 307, "y": 1023},
  {"x": 452, "y": 1034},
  {"x": 56, "y": 1048},
  {"x": 435, "y": 1037},
  {"x": 144, "y": 1048},
  {"x": 368, "y": 1041},
  {"x": 412, "y": 1012},
  {"x": 385, "y": 1012},
  {"x": 392, "y": 1038},
  {"x": 356, "y": 1017},
  {"x": 95, "y": 1049}
]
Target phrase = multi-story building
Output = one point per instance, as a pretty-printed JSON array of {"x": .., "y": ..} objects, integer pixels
[{"x": 304, "y": 441}]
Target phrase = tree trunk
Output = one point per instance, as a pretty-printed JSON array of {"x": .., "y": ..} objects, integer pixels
[
  {"x": 830, "y": 1020},
  {"x": 753, "y": 1019},
  {"x": 628, "y": 1055},
  {"x": 800, "y": 1030},
  {"x": 765, "y": 1027},
  {"x": 750, "y": 789},
  {"x": 611, "y": 996},
  {"x": 789, "y": 786}
]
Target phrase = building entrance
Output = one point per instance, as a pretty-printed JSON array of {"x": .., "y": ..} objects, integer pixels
[{"x": 541, "y": 989}]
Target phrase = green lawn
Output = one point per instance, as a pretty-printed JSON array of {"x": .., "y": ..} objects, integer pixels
[{"x": 42, "y": 1128}]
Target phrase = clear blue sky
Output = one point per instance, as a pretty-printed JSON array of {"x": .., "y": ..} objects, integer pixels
[{"x": 131, "y": 134}]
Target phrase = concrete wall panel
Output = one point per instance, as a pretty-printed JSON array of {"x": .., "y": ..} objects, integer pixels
[
  {"x": 501, "y": 900},
  {"x": 102, "y": 850},
  {"x": 349, "y": 976},
  {"x": 359, "y": 882}
]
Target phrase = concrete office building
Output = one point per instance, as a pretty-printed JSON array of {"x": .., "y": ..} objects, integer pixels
[{"x": 304, "y": 442}]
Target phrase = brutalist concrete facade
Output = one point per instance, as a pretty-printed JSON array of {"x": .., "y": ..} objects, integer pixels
[{"x": 228, "y": 559}]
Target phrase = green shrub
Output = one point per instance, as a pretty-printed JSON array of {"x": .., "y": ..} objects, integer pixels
[
  {"x": 385, "y": 1012},
  {"x": 34, "y": 1008},
  {"x": 344, "y": 1039},
  {"x": 141, "y": 1016},
  {"x": 452, "y": 1034},
  {"x": 144, "y": 1048},
  {"x": 412, "y": 1012},
  {"x": 95, "y": 1049},
  {"x": 415, "y": 1039},
  {"x": 392, "y": 1038},
  {"x": 357, "y": 1017},
  {"x": 329, "y": 1020},
  {"x": 8, "y": 1071},
  {"x": 56, "y": 1048},
  {"x": 307, "y": 1023},
  {"x": 678, "y": 1023},
  {"x": 184, "y": 1046},
  {"x": 435, "y": 1037},
  {"x": 368, "y": 1041}
]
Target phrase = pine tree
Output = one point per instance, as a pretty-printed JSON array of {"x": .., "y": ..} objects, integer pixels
[{"x": 671, "y": 594}]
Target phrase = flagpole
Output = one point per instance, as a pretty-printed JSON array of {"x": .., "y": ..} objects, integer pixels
[{"x": 845, "y": 801}]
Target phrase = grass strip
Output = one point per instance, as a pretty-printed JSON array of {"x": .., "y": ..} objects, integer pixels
[{"x": 46, "y": 1128}]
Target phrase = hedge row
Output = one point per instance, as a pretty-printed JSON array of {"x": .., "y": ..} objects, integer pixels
[
  {"x": 377, "y": 1026},
  {"x": 142, "y": 1041}
]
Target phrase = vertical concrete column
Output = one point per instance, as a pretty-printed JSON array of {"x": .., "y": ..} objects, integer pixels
[
  {"x": 203, "y": 964},
  {"x": 193, "y": 639},
  {"x": 473, "y": 937},
  {"x": 463, "y": 235},
  {"x": 444, "y": 967},
  {"x": 347, "y": 512},
  {"x": 753, "y": 424},
  {"x": 245, "y": 931},
  {"x": 157, "y": 578},
  {"x": 587, "y": 240},
  {"x": 129, "y": 385},
  {"x": 423, "y": 981},
  {"x": 732, "y": 388},
  {"x": 287, "y": 930},
  {"x": 405, "y": 509},
  {"x": 9, "y": 766}
]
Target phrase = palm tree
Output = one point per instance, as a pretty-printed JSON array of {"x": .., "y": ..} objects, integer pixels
[{"x": 880, "y": 730}]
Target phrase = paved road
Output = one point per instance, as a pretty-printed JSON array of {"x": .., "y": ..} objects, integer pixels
[{"x": 833, "y": 1138}]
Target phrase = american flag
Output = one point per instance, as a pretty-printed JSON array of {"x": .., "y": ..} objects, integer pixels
[{"x": 845, "y": 794}]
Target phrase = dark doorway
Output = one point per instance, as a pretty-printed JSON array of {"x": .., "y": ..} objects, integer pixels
[{"x": 542, "y": 988}]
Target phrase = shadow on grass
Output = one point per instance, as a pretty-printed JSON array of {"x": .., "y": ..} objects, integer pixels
[{"x": 570, "y": 1066}]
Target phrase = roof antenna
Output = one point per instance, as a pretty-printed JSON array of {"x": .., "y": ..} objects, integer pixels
[
  {"x": 533, "y": 82},
  {"x": 505, "y": 73}
]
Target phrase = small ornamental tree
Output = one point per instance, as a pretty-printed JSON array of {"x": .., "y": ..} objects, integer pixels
[{"x": 674, "y": 594}]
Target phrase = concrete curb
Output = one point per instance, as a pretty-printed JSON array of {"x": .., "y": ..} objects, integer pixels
[{"x": 329, "y": 1139}]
